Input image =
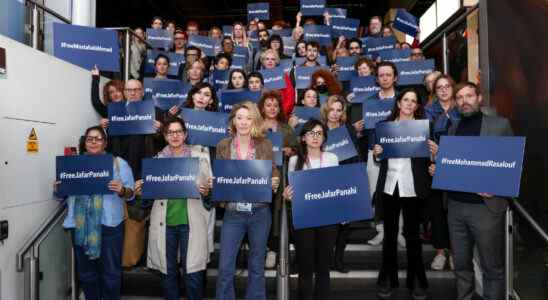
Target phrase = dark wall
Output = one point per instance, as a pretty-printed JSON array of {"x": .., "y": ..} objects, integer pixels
[{"x": 518, "y": 79}]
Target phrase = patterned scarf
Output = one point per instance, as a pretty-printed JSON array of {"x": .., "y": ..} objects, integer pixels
[{"x": 87, "y": 214}]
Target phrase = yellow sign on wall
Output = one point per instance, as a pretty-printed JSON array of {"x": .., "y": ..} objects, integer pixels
[{"x": 32, "y": 142}]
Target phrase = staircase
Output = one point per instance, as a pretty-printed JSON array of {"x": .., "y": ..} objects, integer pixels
[{"x": 362, "y": 260}]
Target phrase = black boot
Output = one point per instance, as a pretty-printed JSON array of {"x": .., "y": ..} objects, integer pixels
[
  {"x": 384, "y": 289},
  {"x": 339, "y": 262}
]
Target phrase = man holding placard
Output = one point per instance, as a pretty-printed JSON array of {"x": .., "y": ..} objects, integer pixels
[{"x": 476, "y": 219}]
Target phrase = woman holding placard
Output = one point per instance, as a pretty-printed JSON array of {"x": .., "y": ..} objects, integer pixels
[
  {"x": 113, "y": 91},
  {"x": 237, "y": 80},
  {"x": 96, "y": 226},
  {"x": 314, "y": 246},
  {"x": 185, "y": 236},
  {"x": 270, "y": 60},
  {"x": 246, "y": 142},
  {"x": 403, "y": 184}
]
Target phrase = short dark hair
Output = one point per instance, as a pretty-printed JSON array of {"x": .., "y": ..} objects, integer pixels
[
  {"x": 159, "y": 56},
  {"x": 194, "y": 48},
  {"x": 223, "y": 56},
  {"x": 172, "y": 119},
  {"x": 387, "y": 64},
  {"x": 313, "y": 44},
  {"x": 189, "y": 103},
  {"x": 468, "y": 84},
  {"x": 355, "y": 40},
  {"x": 157, "y": 18},
  {"x": 258, "y": 32},
  {"x": 257, "y": 75}
]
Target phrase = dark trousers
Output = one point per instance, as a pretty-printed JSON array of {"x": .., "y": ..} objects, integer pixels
[
  {"x": 474, "y": 225},
  {"x": 314, "y": 247},
  {"x": 177, "y": 245},
  {"x": 438, "y": 219},
  {"x": 101, "y": 279},
  {"x": 411, "y": 208}
]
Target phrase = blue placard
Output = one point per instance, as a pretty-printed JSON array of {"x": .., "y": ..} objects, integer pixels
[
  {"x": 242, "y": 180},
  {"x": 259, "y": 11},
  {"x": 470, "y": 164},
  {"x": 303, "y": 114},
  {"x": 329, "y": 196},
  {"x": 364, "y": 85},
  {"x": 374, "y": 45},
  {"x": 276, "y": 139},
  {"x": 175, "y": 61},
  {"x": 227, "y": 30},
  {"x": 131, "y": 118},
  {"x": 86, "y": 46},
  {"x": 84, "y": 174},
  {"x": 395, "y": 55},
  {"x": 375, "y": 110},
  {"x": 403, "y": 139},
  {"x": 219, "y": 79},
  {"x": 346, "y": 27},
  {"x": 165, "y": 178},
  {"x": 274, "y": 79},
  {"x": 340, "y": 143},
  {"x": 240, "y": 52},
  {"x": 166, "y": 93},
  {"x": 204, "y": 127},
  {"x": 253, "y": 37},
  {"x": 238, "y": 63},
  {"x": 312, "y": 7},
  {"x": 302, "y": 76},
  {"x": 346, "y": 67},
  {"x": 406, "y": 22},
  {"x": 318, "y": 33},
  {"x": 322, "y": 60},
  {"x": 206, "y": 44},
  {"x": 160, "y": 38},
  {"x": 336, "y": 13},
  {"x": 413, "y": 72},
  {"x": 289, "y": 45},
  {"x": 286, "y": 64},
  {"x": 231, "y": 97},
  {"x": 284, "y": 32}
]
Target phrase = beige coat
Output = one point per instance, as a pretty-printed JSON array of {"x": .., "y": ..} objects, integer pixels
[{"x": 200, "y": 239}]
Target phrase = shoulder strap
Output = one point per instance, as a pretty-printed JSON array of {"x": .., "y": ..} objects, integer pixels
[{"x": 116, "y": 165}]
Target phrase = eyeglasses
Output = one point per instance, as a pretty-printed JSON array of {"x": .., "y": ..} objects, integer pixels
[
  {"x": 443, "y": 87},
  {"x": 94, "y": 139},
  {"x": 133, "y": 90},
  {"x": 314, "y": 134},
  {"x": 174, "y": 132},
  {"x": 354, "y": 48}
]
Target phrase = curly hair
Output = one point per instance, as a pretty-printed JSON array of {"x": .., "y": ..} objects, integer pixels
[
  {"x": 276, "y": 95},
  {"x": 115, "y": 83},
  {"x": 333, "y": 86}
]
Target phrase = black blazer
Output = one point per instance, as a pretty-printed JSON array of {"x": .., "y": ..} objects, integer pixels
[{"x": 421, "y": 179}]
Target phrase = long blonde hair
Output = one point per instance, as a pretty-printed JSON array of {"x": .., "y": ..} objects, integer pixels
[
  {"x": 257, "y": 124},
  {"x": 326, "y": 108}
]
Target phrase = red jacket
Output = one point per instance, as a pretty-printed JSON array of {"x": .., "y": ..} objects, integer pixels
[{"x": 288, "y": 96}]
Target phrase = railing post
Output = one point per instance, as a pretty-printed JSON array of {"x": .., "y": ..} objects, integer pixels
[
  {"x": 73, "y": 282},
  {"x": 33, "y": 276},
  {"x": 127, "y": 50},
  {"x": 282, "y": 291},
  {"x": 34, "y": 26},
  {"x": 509, "y": 255}
]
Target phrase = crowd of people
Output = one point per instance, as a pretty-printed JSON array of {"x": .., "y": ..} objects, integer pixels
[{"x": 180, "y": 231}]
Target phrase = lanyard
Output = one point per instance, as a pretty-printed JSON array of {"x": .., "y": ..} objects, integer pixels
[{"x": 250, "y": 147}]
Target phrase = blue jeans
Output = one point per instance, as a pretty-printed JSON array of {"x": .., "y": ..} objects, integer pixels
[
  {"x": 102, "y": 278},
  {"x": 235, "y": 225},
  {"x": 177, "y": 239}
]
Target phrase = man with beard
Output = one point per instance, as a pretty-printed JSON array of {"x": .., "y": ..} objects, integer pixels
[
  {"x": 476, "y": 220},
  {"x": 264, "y": 38}
]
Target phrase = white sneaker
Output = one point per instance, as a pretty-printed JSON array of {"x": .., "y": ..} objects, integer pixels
[
  {"x": 377, "y": 240},
  {"x": 401, "y": 241},
  {"x": 451, "y": 262},
  {"x": 438, "y": 263},
  {"x": 270, "y": 260}
]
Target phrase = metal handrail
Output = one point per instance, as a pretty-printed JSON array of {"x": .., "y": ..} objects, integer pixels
[
  {"x": 38, "y": 236},
  {"x": 49, "y": 11},
  {"x": 132, "y": 32},
  {"x": 521, "y": 210}
]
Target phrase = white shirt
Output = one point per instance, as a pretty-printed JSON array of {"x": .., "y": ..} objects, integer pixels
[
  {"x": 327, "y": 159},
  {"x": 400, "y": 173}
]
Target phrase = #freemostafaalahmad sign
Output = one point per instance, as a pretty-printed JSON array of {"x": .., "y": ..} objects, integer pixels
[
  {"x": 205, "y": 128},
  {"x": 242, "y": 180},
  {"x": 165, "y": 178},
  {"x": 403, "y": 139},
  {"x": 84, "y": 174},
  {"x": 131, "y": 118},
  {"x": 86, "y": 46},
  {"x": 470, "y": 164},
  {"x": 327, "y": 196}
]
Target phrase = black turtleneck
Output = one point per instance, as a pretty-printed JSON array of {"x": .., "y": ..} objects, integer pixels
[{"x": 468, "y": 126}]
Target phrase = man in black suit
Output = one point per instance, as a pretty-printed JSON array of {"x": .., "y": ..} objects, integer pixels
[{"x": 477, "y": 220}]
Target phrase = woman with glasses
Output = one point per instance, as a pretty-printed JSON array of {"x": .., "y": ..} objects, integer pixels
[
  {"x": 185, "y": 236},
  {"x": 442, "y": 114},
  {"x": 246, "y": 142},
  {"x": 314, "y": 246},
  {"x": 96, "y": 226}
]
